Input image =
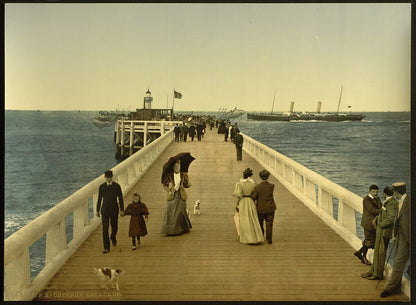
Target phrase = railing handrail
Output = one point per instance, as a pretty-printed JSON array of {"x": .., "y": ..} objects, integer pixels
[
  {"x": 348, "y": 201},
  {"x": 17, "y": 284},
  {"x": 39, "y": 226},
  {"x": 150, "y": 121},
  {"x": 342, "y": 193}
]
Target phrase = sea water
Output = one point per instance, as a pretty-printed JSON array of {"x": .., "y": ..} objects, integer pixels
[{"x": 49, "y": 155}]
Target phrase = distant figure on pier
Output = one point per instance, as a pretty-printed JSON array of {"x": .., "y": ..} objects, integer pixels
[
  {"x": 234, "y": 131},
  {"x": 192, "y": 132},
  {"x": 226, "y": 130},
  {"x": 176, "y": 220},
  {"x": 108, "y": 193},
  {"x": 238, "y": 141},
  {"x": 230, "y": 131},
  {"x": 185, "y": 131},
  {"x": 249, "y": 226},
  {"x": 137, "y": 209},
  {"x": 402, "y": 243},
  {"x": 199, "y": 131},
  {"x": 177, "y": 132},
  {"x": 384, "y": 223},
  {"x": 371, "y": 208},
  {"x": 265, "y": 204},
  {"x": 221, "y": 126}
]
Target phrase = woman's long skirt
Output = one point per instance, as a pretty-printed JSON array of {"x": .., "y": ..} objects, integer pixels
[
  {"x": 250, "y": 230},
  {"x": 176, "y": 220}
]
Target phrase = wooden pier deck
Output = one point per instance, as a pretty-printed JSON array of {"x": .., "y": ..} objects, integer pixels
[{"x": 306, "y": 262}]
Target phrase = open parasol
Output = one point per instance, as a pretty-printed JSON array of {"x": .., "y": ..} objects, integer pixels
[{"x": 186, "y": 160}]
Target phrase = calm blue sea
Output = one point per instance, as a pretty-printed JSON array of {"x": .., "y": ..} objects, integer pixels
[{"x": 51, "y": 154}]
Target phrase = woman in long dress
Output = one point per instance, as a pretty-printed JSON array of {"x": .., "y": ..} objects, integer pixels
[
  {"x": 176, "y": 220},
  {"x": 249, "y": 226}
]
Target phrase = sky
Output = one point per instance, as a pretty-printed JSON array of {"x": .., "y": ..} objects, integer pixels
[{"x": 257, "y": 57}]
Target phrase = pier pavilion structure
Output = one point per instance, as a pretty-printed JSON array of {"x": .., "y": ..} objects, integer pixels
[{"x": 311, "y": 258}]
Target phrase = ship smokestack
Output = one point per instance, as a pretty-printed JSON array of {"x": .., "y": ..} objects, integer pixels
[
  {"x": 318, "y": 109},
  {"x": 292, "y": 104}
]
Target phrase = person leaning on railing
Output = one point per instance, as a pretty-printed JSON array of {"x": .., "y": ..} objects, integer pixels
[
  {"x": 371, "y": 208},
  {"x": 384, "y": 228},
  {"x": 402, "y": 240}
]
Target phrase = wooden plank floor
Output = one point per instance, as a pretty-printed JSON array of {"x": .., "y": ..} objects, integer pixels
[{"x": 306, "y": 262}]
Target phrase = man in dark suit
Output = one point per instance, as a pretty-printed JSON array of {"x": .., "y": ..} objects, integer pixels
[
  {"x": 371, "y": 209},
  {"x": 108, "y": 193},
  {"x": 238, "y": 141},
  {"x": 177, "y": 132},
  {"x": 263, "y": 196},
  {"x": 192, "y": 132},
  {"x": 402, "y": 240},
  {"x": 199, "y": 131}
]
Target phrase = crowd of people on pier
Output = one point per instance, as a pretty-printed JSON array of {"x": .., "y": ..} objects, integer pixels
[{"x": 382, "y": 220}]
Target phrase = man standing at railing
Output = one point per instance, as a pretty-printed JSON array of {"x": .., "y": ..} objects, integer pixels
[
  {"x": 384, "y": 230},
  {"x": 371, "y": 208},
  {"x": 108, "y": 193},
  {"x": 238, "y": 141},
  {"x": 401, "y": 234}
]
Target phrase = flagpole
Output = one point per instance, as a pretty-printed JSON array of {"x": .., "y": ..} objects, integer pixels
[{"x": 173, "y": 101}]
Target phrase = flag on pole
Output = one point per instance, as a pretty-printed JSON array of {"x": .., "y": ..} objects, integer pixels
[{"x": 177, "y": 95}]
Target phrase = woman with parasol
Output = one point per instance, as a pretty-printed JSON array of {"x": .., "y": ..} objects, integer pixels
[
  {"x": 175, "y": 180},
  {"x": 248, "y": 226}
]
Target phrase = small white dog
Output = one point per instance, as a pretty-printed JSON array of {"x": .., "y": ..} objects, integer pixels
[
  {"x": 109, "y": 276},
  {"x": 197, "y": 208}
]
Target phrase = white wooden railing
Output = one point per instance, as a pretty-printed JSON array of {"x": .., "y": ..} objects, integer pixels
[
  {"x": 317, "y": 193},
  {"x": 17, "y": 272},
  {"x": 129, "y": 131}
]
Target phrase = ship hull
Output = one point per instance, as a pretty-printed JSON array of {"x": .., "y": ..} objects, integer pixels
[{"x": 306, "y": 117}]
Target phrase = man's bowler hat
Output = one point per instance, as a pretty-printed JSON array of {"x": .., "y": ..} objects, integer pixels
[
  {"x": 264, "y": 174},
  {"x": 108, "y": 174}
]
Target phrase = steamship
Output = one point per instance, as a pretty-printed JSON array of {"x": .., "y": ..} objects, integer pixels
[{"x": 307, "y": 116}]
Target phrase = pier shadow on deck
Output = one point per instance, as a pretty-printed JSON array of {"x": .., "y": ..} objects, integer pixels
[{"x": 306, "y": 262}]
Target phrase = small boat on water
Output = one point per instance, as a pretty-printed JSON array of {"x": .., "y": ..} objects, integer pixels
[{"x": 307, "y": 116}]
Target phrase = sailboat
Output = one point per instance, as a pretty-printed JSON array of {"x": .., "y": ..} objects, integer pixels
[{"x": 308, "y": 116}]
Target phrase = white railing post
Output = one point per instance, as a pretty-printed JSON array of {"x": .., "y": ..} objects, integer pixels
[
  {"x": 145, "y": 134},
  {"x": 55, "y": 241},
  {"x": 297, "y": 181},
  {"x": 17, "y": 276},
  {"x": 80, "y": 219},
  {"x": 94, "y": 203},
  {"x": 122, "y": 138},
  {"x": 309, "y": 190},
  {"x": 162, "y": 128},
  {"x": 117, "y": 132},
  {"x": 325, "y": 201},
  {"x": 346, "y": 217},
  {"x": 131, "y": 174},
  {"x": 131, "y": 137}
]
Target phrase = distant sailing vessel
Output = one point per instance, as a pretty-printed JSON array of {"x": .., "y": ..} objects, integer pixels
[
  {"x": 307, "y": 116},
  {"x": 107, "y": 118},
  {"x": 231, "y": 114}
]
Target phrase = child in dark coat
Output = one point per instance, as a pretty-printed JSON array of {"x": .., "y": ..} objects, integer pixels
[{"x": 137, "y": 210}]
